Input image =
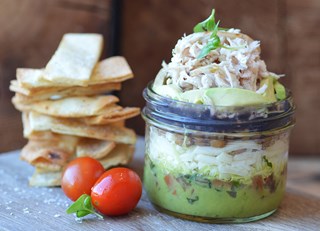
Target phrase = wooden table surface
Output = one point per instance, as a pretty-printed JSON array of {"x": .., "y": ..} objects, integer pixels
[{"x": 25, "y": 208}]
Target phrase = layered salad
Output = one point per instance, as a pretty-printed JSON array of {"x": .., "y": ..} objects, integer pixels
[
  {"x": 219, "y": 175},
  {"x": 220, "y": 67},
  {"x": 215, "y": 177}
]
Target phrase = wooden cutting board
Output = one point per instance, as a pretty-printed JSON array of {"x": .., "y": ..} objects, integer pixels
[{"x": 26, "y": 208}]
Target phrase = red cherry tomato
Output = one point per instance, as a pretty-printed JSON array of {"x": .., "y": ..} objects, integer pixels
[
  {"x": 79, "y": 176},
  {"x": 116, "y": 192}
]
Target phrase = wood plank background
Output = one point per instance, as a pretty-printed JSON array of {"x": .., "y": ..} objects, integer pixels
[
  {"x": 30, "y": 33},
  {"x": 288, "y": 31}
]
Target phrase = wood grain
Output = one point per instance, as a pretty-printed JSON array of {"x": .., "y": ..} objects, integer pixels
[
  {"x": 30, "y": 33},
  {"x": 304, "y": 69},
  {"x": 24, "y": 208}
]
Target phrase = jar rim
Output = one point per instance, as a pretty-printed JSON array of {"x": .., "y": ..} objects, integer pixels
[{"x": 213, "y": 118}]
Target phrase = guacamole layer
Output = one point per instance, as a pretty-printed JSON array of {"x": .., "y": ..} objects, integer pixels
[{"x": 198, "y": 195}]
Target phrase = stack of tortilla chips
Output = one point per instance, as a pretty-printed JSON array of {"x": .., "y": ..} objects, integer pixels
[{"x": 67, "y": 113}]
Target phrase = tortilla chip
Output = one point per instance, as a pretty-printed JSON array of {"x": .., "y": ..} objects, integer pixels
[
  {"x": 15, "y": 87},
  {"x": 111, "y": 70},
  {"x": 32, "y": 78},
  {"x": 45, "y": 178},
  {"x": 74, "y": 60},
  {"x": 112, "y": 117},
  {"x": 114, "y": 69},
  {"x": 53, "y": 137},
  {"x": 40, "y": 122},
  {"x": 120, "y": 123},
  {"x": 72, "y": 107},
  {"x": 38, "y": 94},
  {"x": 27, "y": 132},
  {"x": 48, "y": 154},
  {"x": 121, "y": 155},
  {"x": 96, "y": 149}
]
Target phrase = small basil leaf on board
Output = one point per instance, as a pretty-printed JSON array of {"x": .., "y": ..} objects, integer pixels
[
  {"x": 83, "y": 207},
  {"x": 77, "y": 205}
]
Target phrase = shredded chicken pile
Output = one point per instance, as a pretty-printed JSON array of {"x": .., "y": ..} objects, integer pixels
[{"x": 236, "y": 66}]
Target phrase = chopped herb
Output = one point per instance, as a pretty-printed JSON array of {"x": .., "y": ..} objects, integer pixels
[
  {"x": 203, "y": 182},
  {"x": 269, "y": 164},
  {"x": 236, "y": 183},
  {"x": 147, "y": 159},
  {"x": 197, "y": 179},
  {"x": 152, "y": 165},
  {"x": 192, "y": 200},
  {"x": 232, "y": 193},
  {"x": 184, "y": 181}
]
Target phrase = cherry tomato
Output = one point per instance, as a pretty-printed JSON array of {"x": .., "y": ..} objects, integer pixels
[
  {"x": 116, "y": 192},
  {"x": 79, "y": 176}
]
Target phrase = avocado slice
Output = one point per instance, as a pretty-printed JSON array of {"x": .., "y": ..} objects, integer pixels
[
  {"x": 171, "y": 91},
  {"x": 269, "y": 93},
  {"x": 193, "y": 96},
  {"x": 228, "y": 96},
  {"x": 280, "y": 90},
  {"x": 233, "y": 97}
]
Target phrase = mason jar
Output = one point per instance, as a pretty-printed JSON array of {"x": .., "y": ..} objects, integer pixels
[{"x": 216, "y": 164}]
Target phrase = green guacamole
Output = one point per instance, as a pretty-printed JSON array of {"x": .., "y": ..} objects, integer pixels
[{"x": 197, "y": 195}]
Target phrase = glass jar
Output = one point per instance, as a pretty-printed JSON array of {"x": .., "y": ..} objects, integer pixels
[{"x": 216, "y": 164}]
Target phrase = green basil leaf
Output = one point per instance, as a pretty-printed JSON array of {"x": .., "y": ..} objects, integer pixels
[
  {"x": 213, "y": 44},
  {"x": 82, "y": 207},
  {"x": 87, "y": 202},
  {"x": 82, "y": 213},
  {"x": 204, "y": 52},
  {"x": 206, "y": 25},
  {"x": 215, "y": 30},
  {"x": 78, "y": 204}
]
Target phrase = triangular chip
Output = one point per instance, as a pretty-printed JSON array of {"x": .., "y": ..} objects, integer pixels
[
  {"x": 50, "y": 154},
  {"x": 96, "y": 149},
  {"x": 111, "y": 70},
  {"x": 32, "y": 78},
  {"x": 120, "y": 123},
  {"x": 114, "y": 69},
  {"x": 112, "y": 117},
  {"x": 45, "y": 178},
  {"x": 54, "y": 137},
  {"x": 74, "y": 60},
  {"x": 37, "y": 94},
  {"x": 40, "y": 122},
  {"x": 68, "y": 92},
  {"x": 81, "y": 106},
  {"x": 15, "y": 87},
  {"x": 121, "y": 155}
]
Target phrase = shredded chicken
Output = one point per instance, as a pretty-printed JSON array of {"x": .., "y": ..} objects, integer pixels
[{"x": 236, "y": 65}]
